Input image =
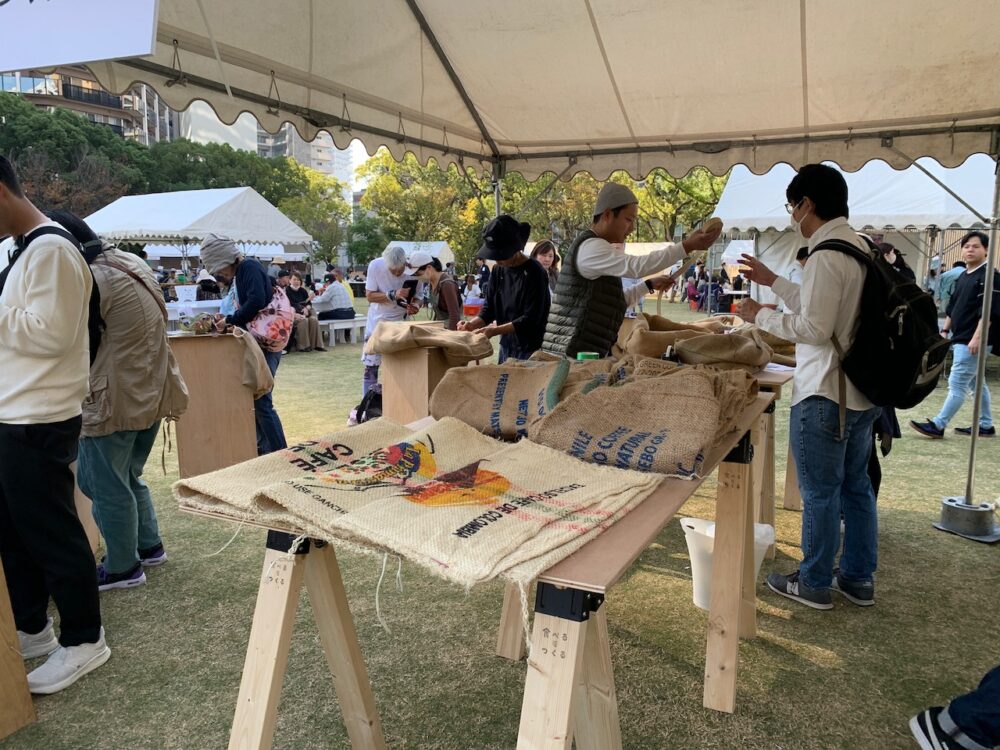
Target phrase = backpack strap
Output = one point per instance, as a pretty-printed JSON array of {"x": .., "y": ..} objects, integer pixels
[{"x": 847, "y": 248}]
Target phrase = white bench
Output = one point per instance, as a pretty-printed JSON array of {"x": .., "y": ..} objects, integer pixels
[{"x": 330, "y": 328}]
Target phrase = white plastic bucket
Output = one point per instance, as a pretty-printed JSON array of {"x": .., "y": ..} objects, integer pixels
[{"x": 700, "y": 537}]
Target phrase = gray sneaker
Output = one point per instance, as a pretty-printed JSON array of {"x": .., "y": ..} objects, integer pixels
[
  {"x": 38, "y": 644},
  {"x": 791, "y": 587},
  {"x": 861, "y": 593}
]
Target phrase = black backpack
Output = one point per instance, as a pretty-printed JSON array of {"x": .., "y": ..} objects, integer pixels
[
  {"x": 898, "y": 352},
  {"x": 371, "y": 405}
]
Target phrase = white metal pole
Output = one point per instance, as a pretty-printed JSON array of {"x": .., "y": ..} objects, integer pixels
[{"x": 991, "y": 258}]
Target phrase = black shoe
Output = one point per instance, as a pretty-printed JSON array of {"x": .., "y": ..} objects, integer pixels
[
  {"x": 791, "y": 587},
  {"x": 928, "y": 732},
  {"x": 928, "y": 429},
  {"x": 861, "y": 593},
  {"x": 983, "y": 431}
]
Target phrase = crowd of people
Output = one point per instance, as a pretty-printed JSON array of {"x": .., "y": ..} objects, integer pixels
[{"x": 88, "y": 376}]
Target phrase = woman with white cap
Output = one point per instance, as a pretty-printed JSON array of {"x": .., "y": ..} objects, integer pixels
[{"x": 446, "y": 298}]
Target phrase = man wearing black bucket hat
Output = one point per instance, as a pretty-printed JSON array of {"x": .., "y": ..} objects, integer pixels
[
  {"x": 517, "y": 298},
  {"x": 589, "y": 303}
]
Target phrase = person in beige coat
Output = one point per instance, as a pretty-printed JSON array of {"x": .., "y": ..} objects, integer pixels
[{"x": 134, "y": 384}]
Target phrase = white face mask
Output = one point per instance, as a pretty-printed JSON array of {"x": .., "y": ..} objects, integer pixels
[{"x": 797, "y": 225}]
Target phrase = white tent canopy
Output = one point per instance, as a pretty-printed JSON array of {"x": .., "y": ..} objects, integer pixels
[
  {"x": 596, "y": 85},
  {"x": 188, "y": 216},
  {"x": 262, "y": 252},
  {"x": 879, "y": 196}
]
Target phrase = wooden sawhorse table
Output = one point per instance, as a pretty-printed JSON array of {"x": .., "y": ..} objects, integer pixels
[{"x": 569, "y": 688}]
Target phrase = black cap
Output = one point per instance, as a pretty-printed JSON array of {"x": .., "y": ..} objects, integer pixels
[
  {"x": 283, "y": 274},
  {"x": 503, "y": 238}
]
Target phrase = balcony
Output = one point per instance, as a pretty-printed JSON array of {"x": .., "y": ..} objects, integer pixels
[{"x": 89, "y": 96}]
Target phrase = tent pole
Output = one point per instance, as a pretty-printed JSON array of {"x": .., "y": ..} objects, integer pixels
[
  {"x": 944, "y": 187},
  {"x": 497, "y": 185},
  {"x": 991, "y": 259}
]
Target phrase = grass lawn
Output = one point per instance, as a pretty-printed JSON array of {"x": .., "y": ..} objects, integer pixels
[{"x": 848, "y": 678}]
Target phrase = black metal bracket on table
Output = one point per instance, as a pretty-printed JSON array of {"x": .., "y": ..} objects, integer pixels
[
  {"x": 742, "y": 453},
  {"x": 282, "y": 542},
  {"x": 770, "y": 407},
  {"x": 566, "y": 604}
]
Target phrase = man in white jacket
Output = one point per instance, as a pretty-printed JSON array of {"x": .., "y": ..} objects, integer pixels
[{"x": 44, "y": 367}]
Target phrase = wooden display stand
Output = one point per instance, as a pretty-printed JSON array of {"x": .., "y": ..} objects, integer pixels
[
  {"x": 569, "y": 689},
  {"x": 218, "y": 428},
  {"x": 16, "y": 709},
  {"x": 410, "y": 377},
  {"x": 763, "y": 441},
  {"x": 84, "y": 509}
]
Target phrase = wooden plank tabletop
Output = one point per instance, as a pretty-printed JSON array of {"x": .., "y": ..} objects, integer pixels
[
  {"x": 598, "y": 565},
  {"x": 771, "y": 379}
]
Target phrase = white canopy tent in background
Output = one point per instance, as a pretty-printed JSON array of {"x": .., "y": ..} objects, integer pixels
[
  {"x": 177, "y": 222},
  {"x": 908, "y": 207}
]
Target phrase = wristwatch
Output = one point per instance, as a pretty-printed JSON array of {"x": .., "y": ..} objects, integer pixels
[{"x": 391, "y": 294}]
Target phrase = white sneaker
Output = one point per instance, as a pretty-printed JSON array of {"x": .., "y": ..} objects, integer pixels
[
  {"x": 40, "y": 644},
  {"x": 67, "y": 665}
]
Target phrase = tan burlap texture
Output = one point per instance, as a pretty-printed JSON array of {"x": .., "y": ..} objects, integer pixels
[
  {"x": 500, "y": 400},
  {"x": 458, "y": 347},
  {"x": 455, "y": 502},
  {"x": 663, "y": 424},
  {"x": 725, "y": 351}
]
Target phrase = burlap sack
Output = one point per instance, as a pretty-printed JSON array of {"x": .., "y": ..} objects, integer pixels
[
  {"x": 734, "y": 389},
  {"x": 458, "y": 347},
  {"x": 778, "y": 345},
  {"x": 624, "y": 331},
  {"x": 646, "y": 343},
  {"x": 585, "y": 375},
  {"x": 256, "y": 374},
  {"x": 664, "y": 424},
  {"x": 500, "y": 400},
  {"x": 659, "y": 323},
  {"x": 457, "y": 503},
  {"x": 725, "y": 351}
]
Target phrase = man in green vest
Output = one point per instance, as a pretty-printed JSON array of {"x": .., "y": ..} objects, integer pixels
[{"x": 589, "y": 302}]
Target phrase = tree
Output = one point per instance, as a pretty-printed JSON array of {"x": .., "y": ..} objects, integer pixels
[
  {"x": 666, "y": 201},
  {"x": 322, "y": 211},
  {"x": 365, "y": 238}
]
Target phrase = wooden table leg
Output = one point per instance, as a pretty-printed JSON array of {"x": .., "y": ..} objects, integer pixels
[
  {"x": 597, "y": 726},
  {"x": 728, "y": 606},
  {"x": 766, "y": 514},
  {"x": 792, "y": 499},
  {"x": 343, "y": 652},
  {"x": 16, "y": 709},
  {"x": 558, "y": 637},
  {"x": 267, "y": 652},
  {"x": 510, "y": 638},
  {"x": 758, "y": 440}
]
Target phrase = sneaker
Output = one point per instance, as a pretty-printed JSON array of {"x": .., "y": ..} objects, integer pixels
[
  {"x": 150, "y": 558},
  {"x": 983, "y": 431},
  {"x": 42, "y": 643},
  {"x": 107, "y": 581},
  {"x": 67, "y": 665},
  {"x": 928, "y": 429},
  {"x": 928, "y": 733},
  {"x": 789, "y": 586},
  {"x": 861, "y": 593}
]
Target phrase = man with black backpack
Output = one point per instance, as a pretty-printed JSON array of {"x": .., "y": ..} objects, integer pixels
[
  {"x": 831, "y": 445},
  {"x": 964, "y": 323},
  {"x": 45, "y": 293}
]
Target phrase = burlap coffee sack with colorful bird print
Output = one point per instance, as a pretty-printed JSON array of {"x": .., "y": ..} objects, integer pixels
[{"x": 460, "y": 504}]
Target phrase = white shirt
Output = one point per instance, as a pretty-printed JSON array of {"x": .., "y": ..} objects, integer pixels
[
  {"x": 44, "y": 344},
  {"x": 597, "y": 257},
  {"x": 827, "y": 303},
  {"x": 334, "y": 297}
]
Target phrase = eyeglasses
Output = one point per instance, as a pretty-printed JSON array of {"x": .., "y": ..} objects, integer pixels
[{"x": 790, "y": 207}]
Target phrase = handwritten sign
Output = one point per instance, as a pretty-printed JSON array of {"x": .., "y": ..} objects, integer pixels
[{"x": 46, "y": 33}]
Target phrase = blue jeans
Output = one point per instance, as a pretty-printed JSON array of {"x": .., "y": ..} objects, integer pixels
[
  {"x": 833, "y": 478},
  {"x": 961, "y": 382},
  {"x": 110, "y": 474},
  {"x": 977, "y": 713},
  {"x": 270, "y": 433}
]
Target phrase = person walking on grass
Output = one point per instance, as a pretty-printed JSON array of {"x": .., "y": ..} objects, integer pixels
[
  {"x": 45, "y": 293},
  {"x": 969, "y": 722},
  {"x": 964, "y": 322},
  {"x": 831, "y": 459}
]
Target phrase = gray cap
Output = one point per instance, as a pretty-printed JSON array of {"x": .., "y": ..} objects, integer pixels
[
  {"x": 218, "y": 252},
  {"x": 613, "y": 196}
]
